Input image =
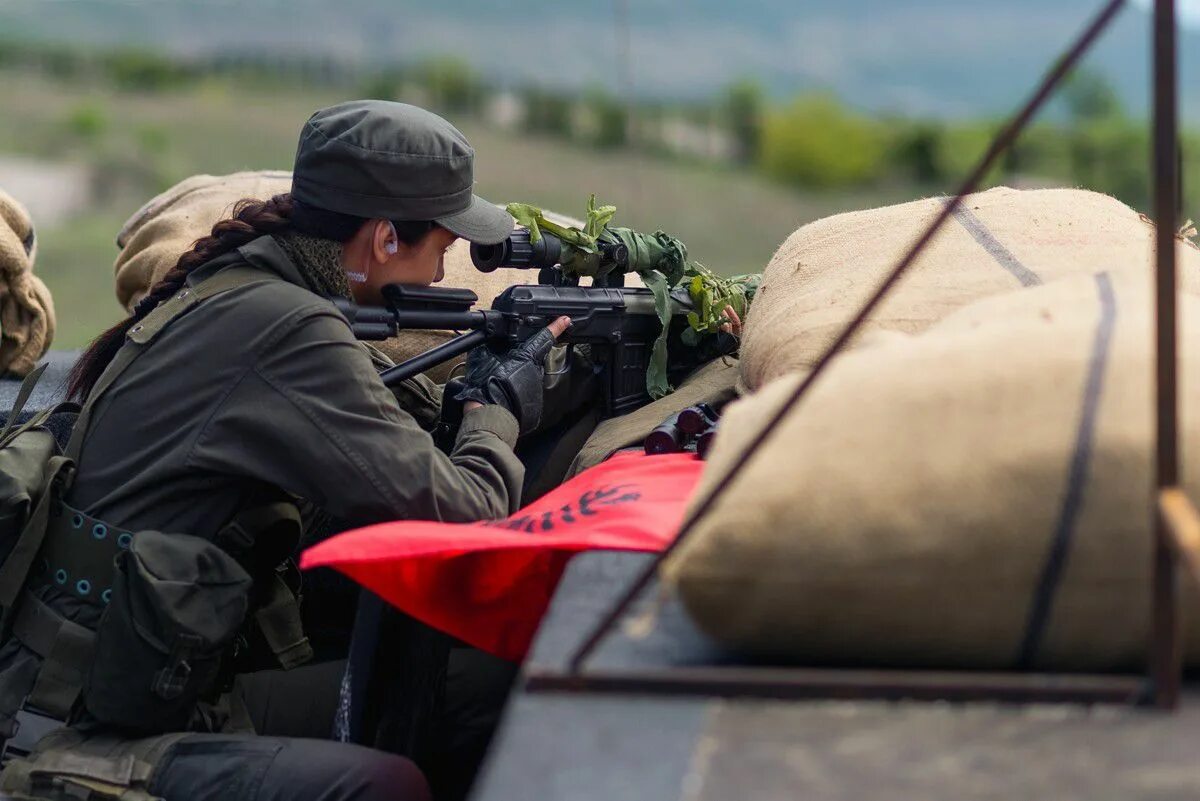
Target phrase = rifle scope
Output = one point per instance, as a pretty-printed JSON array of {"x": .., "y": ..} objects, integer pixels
[{"x": 519, "y": 252}]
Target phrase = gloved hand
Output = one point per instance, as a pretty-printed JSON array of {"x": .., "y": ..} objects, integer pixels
[{"x": 513, "y": 380}]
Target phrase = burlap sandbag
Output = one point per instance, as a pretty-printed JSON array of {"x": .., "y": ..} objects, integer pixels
[
  {"x": 976, "y": 496},
  {"x": 158, "y": 233},
  {"x": 999, "y": 240},
  {"x": 153, "y": 239},
  {"x": 26, "y": 308}
]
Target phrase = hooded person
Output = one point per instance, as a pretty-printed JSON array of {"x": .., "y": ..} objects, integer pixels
[{"x": 235, "y": 389}]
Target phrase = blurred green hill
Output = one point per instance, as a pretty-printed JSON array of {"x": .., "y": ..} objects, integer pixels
[{"x": 137, "y": 143}]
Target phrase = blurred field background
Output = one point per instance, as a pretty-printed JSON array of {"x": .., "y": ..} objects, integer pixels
[
  {"x": 89, "y": 132},
  {"x": 133, "y": 143}
]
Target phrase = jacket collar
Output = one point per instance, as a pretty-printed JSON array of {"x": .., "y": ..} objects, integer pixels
[{"x": 263, "y": 253}]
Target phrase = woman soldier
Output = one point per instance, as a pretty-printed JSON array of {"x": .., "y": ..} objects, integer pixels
[{"x": 200, "y": 409}]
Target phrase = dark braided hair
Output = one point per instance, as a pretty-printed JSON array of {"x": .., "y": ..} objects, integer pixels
[{"x": 251, "y": 219}]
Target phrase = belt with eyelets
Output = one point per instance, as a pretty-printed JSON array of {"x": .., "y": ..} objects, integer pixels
[{"x": 78, "y": 552}]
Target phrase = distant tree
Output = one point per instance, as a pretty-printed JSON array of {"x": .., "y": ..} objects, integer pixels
[
  {"x": 815, "y": 141},
  {"x": 1110, "y": 156},
  {"x": 743, "y": 106},
  {"x": 143, "y": 70},
  {"x": 547, "y": 112},
  {"x": 915, "y": 151},
  {"x": 384, "y": 85},
  {"x": 64, "y": 62},
  {"x": 1041, "y": 152},
  {"x": 452, "y": 84},
  {"x": 1089, "y": 96},
  {"x": 1190, "y": 176},
  {"x": 1106, "y": 151},
  {"x": 961, "y": 146},
  {"x": 609, "y": 119}
]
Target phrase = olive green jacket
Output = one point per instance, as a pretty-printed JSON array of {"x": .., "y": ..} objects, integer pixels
[{"x": 265, "y": 387}]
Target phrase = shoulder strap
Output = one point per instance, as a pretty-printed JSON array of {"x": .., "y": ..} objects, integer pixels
[
  {"x": 145, "y": 332},
  {"x": 39, "y": 420},
  {"x": 59, "y": 470},
  {"x": 23, "y": 394},
  {"x": 262, "y": 538}
]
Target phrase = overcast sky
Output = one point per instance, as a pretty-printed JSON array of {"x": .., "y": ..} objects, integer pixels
[{"x": 1189, "y": 10}]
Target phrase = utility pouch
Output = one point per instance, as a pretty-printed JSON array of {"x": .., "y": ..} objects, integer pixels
[
  {"x": 27, "y": 452},
  {"x": 22, "y": 480},
  {"x": 177, "y": 604}
]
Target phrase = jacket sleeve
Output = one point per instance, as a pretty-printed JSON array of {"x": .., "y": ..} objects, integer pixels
[
  {"x": 419, "y": 396},
  {"x": 312, "y": 417}
]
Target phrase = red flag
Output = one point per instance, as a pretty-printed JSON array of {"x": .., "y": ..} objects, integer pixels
[{"x": 490, "y": 583}]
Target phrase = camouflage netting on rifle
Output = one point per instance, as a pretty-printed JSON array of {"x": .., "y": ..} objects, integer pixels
[
  {"x": 974, "y": 496},
  {"x": 662, "y": 264},
  {"x": 998, "y": 241}
]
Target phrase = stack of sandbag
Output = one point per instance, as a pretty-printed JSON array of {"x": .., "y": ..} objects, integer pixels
[
  {"x": 153, "y": 239},
  {"x": 26, "y": 309},
  {"x": 157, "y": 234},
  {"x": 997, "y": 241},
  {"x": 974, "y": 496}
]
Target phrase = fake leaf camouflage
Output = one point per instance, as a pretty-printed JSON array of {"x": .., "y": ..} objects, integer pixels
[{"x": 662, "y": 263}]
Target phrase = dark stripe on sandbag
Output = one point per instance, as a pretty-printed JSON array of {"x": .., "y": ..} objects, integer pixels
[
  {"x": 1039, "y": 613},
  {"x": 987, "y": 240}
]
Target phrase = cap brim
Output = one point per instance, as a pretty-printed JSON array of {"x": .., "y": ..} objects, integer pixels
[{"x": 481, "y": 223}]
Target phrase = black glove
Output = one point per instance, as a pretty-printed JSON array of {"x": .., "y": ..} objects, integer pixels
[{"x": 513, "y": 380}]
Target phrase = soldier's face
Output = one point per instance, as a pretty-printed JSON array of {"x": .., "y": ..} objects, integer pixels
[
  {"x": 383, "y": 260},
  {"x": 421, "y": 263}
]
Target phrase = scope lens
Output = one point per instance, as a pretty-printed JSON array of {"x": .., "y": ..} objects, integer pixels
[
  {"x": 516, "y": 251},
  {"x": 489, "y": 257}
]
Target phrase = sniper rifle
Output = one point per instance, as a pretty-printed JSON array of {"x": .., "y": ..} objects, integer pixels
[{"x": 618, "y": 325}]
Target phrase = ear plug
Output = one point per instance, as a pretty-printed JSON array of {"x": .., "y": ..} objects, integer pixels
[{"x": 391, "y": 248}]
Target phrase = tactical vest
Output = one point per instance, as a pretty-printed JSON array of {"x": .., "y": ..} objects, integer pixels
[{"x": 64, "y": 547}]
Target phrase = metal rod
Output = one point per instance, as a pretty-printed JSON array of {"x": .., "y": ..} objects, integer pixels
[
  {"x": 1006, "y": 137},
  {"x": 1166, "y": 653},
  {"x": 807, "y": 683},
  {"x": 432, "y": 357}
]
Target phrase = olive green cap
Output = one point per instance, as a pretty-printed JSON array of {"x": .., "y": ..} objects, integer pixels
[{"x": 378, "y": 159}]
